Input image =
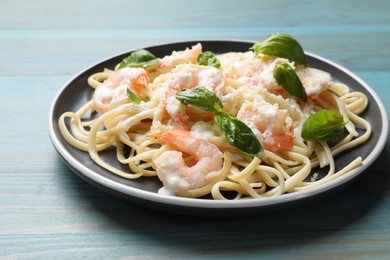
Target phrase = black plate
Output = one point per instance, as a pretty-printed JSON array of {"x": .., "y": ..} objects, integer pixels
[{"x": 144, "y": 190}]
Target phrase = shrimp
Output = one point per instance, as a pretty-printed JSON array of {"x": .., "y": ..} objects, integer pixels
[
  {"x": 250, "y": 70},
  {"x": 314, "y": 81},
  {"x": 172, "y": 170},
  {"x": 112, "y": 92},
  {"x": 272, "y": 125},
  {"x": 168, "y": 62},
  {"x": 190, "y": 76},
  {"x": 254, "y": 71}
]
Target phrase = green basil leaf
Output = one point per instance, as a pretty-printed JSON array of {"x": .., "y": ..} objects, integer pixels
[
  {"x": 208, "y": 58},
  {"x": 281, "y": 45},
  {"x": 200, "y": 97},
  {"x": 238, "y": 134},
  {"x": 286, "y": 77},
  {"x": 133, "y": 97},
  {"x": 325, "y": 125},
  {"x": 139, "y": 58}
]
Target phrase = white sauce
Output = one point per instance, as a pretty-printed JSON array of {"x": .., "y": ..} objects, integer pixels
[
  {"x": 103, "y": 92},
  {"x": 202, "y": 130},
  {"x": 314, "y": 81},
  {"x": 170, "y": 163}
]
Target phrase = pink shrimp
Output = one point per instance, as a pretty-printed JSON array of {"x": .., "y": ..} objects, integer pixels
[
  {"x": 254, "y": 71},
  {"x": 314, "y": 81},
  {"x": 112, "y": 92},
  {"x": 249, "y": 70},
  {"x": 272, "y": 125},
  {"x": 172, "y": 170},
  {"x": 190, "y": 76},
  {"x": 168, "y": 62}
]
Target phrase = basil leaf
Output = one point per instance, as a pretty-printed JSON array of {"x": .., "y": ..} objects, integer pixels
[
  {"x": 238, "y": 134},
  {"x": 133, "y": 97},
  {"x": 325, "y": 125},
  {"x": 281, "y": 45},
  {"x": 286, "y": 77},
  {"x": 200, "y": 97},
  {"x": 139, "y": 58},
  {"x": 208, "y": 58}
]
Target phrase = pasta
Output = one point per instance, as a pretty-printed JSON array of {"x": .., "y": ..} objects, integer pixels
[{"x": 136, "y": 110}]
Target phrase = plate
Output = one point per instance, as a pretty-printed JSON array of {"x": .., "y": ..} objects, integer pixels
[{"x": 143, "y": 191}]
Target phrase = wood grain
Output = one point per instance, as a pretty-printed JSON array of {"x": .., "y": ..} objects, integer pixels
[{"x": 47, "y": 212}]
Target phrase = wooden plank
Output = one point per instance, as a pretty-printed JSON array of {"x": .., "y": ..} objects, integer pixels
[
  {"x": 47, "y": 212},
  {"x": 189, "y": 14},
  {"x": 45, "y": 206},
  {"x": 43, "y": 57}
]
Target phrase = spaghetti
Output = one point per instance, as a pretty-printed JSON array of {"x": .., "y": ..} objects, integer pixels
[{"x": 137, "y": 111}]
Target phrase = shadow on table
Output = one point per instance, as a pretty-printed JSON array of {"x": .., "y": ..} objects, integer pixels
[{"x": 295, "y": 225}]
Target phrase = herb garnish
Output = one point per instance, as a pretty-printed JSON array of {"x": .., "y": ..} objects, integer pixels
[
  {"x": 236, "y": 132},
  {"x": 286, "y": 77},
  {"x": 324, "y": 125},
  {"x": 139, "y": 58},
  {"x": 208, "y": 58},
  {"x": 281, "y": 45}
]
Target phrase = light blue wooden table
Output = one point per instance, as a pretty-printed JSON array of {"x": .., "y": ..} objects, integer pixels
[{"x": 47, "y": 212}]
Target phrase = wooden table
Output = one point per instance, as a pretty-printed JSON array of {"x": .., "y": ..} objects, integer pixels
[{"x": 47, "y": 212}]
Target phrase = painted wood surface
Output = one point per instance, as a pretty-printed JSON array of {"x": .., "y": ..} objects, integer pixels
[{"x": 47, "y": 212}]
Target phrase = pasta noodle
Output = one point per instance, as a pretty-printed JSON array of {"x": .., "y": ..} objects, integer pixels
[{"x": 135, "y": 110}]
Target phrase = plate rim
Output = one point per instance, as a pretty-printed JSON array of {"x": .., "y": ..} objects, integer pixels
[{"x": 216, "y": 204}]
